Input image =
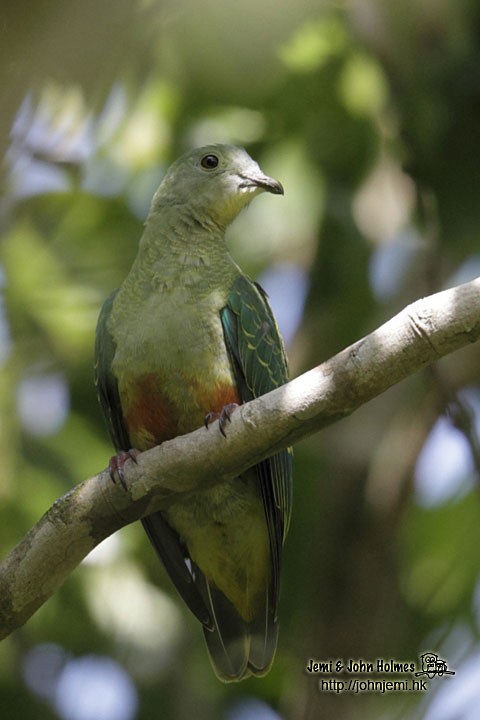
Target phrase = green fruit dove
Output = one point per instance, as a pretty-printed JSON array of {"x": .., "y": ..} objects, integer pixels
[{"x": 185, "y": 339}]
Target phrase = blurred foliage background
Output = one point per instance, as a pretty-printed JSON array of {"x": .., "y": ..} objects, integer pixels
[{"x": 368, "y": 111}]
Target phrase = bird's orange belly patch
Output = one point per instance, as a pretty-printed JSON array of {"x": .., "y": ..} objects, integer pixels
[
  {"x": 152, "y": 417},
  {"x": 214, "y": 400}
]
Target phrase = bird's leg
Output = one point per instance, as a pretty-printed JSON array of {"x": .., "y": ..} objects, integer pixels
[
  {"x": 117, "y": 463},
  {"x": 224, "y": 416}
]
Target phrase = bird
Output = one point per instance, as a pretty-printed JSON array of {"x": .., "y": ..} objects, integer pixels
[{"x": 186, "y": 339}]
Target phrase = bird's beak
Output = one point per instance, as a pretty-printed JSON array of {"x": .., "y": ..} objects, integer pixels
[{"x": 262, "y": 181}]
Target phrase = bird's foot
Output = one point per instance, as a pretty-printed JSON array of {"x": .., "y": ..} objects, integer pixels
[
  {"x": 224, "y": 416},
  {"x": 117, "y": 463}
]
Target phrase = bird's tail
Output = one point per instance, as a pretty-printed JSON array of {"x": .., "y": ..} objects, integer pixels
[{"x": 239, "y": 648}]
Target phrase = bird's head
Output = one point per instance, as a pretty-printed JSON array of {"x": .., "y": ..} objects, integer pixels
[{"x": 213, "y": 183}]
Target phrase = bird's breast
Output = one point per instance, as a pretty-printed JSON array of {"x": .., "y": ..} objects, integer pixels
[{"x": 172, "y": 368}]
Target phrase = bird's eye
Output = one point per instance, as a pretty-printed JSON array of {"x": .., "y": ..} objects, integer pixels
[{"x": 209, "y": 162}]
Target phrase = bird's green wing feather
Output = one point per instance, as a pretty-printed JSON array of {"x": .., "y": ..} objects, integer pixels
[
  {"x": 106, "y": 382},
  {"x": 260, "y": 365}
]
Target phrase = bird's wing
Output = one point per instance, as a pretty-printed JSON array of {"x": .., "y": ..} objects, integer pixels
[
  {"x": 105, "y": 380},
  {"x": 260, "y": 365},
  {"x": 185, "y": 575}
]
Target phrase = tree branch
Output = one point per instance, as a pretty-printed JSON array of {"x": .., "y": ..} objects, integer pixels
[{"x": 422, "y": 333}]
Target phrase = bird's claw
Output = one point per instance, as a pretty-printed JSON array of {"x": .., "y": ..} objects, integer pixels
[
  {"x": 117, "y": 464},
  {"x": 224, "y": 416}
]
